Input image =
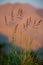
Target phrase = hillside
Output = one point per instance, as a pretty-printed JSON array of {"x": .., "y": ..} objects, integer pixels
[{"x": 25, "y": 21}]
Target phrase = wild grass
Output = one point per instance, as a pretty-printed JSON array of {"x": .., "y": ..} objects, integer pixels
[
  {"x": 6, "y": 21},
  {"x": 19, "y": 56}
]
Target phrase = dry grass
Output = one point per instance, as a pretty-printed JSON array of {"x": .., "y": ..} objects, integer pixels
[
  {"x": 27, "y": 23},
  {"x": 5, "y": 20},
  {"x": 16, "y": 28},
  {"x": 24, "y": 26},
  {"x": 21, "y": 57}
]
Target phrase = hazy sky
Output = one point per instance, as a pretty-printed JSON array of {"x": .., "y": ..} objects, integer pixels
[{"x": 36, "y": 3}]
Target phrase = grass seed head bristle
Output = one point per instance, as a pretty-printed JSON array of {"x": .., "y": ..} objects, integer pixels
[
  {"x": 26, "y": 40},
  {"x": 12, "y": 14},
  {"x": 27, "y": 23},
  {"x": 23, "y": 25},
  {"x": 16, "y": 28},
  {"x": 5, "y": 20}
]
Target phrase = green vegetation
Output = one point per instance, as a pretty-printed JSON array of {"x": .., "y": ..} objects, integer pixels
[{"x": 16, "y": 57}]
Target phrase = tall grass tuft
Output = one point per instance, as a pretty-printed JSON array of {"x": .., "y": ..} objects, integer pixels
[{"x": 19, "y": 56}]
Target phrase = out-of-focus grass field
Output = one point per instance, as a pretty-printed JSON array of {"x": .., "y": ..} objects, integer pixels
[{"x": 19, "y": 56}]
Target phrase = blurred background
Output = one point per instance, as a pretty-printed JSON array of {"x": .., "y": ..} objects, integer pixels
[{"x": 35, "y": 3}]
